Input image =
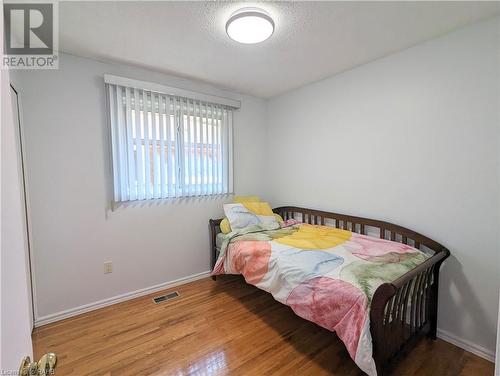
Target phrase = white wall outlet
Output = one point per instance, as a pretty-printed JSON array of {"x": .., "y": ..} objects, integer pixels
[{"x": 108, "y": 267}]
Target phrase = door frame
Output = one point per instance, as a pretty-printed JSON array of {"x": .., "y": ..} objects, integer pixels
[
  {"x": 497, "y": 356},
  {"x": 27, "y": 209}
]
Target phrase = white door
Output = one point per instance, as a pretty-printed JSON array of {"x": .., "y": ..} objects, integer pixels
[
  {"x": 16, "y": 319},
  {"x": 497, "y": 358},
  {"x": 16, "y": 111}
]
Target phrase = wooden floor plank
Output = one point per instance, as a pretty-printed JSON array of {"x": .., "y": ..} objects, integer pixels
[{"x": 225, "y": 327}]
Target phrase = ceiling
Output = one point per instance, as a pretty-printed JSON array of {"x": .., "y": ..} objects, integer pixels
[{"x": 312, "y": 40}]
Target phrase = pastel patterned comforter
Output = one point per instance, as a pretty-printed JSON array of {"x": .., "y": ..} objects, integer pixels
[{"x": 326, "y": 275}]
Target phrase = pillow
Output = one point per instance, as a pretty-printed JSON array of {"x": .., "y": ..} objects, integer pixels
[
  {"x": 259, "y": 208},
  {"x": 225, "y": 227},
  {"x": 242, "y": 199},
  {"x": 250, "y": 214}
]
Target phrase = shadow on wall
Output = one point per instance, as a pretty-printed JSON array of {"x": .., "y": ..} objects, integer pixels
[
  {"x": 171, "y": 201},
  {"x": 453, "y": 289}
]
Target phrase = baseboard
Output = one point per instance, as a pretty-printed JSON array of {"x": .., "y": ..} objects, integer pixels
[
  {"x": 467, "y": 345},
  {"x": 116, "y": 299}
]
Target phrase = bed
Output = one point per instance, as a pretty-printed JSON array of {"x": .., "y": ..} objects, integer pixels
[{"x": 394, "y": 311}]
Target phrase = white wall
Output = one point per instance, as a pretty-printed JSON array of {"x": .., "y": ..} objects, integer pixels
[
  {"x": 15, "y": 322},
  {"x": 412, "y": 139},
  {"x": 73, "y": 231}
]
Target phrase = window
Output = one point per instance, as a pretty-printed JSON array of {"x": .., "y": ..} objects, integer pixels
[{"x": 167, "y": 146}]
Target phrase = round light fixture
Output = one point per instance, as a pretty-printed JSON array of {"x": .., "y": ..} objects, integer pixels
[{"x": 249, "y": 26}]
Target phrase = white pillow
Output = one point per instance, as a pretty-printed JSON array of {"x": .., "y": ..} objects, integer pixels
[{"x": 240, "y": 217}]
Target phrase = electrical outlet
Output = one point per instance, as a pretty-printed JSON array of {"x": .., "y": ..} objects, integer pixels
[{"x": 108, "y": 267}]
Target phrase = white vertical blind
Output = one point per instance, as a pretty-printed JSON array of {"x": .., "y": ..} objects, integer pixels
[{"x": 165, "y": 146}]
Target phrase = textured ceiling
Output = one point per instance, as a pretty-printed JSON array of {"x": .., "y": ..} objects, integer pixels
[{"x": 312, "y": 40}]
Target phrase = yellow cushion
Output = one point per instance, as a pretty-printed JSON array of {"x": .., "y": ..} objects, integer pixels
[
  {"x": 259, "y": 208},
  {"x": 278, "y": 218},
  {"x": 224, "y": 226},
  {"x": 242, "y": 199}
]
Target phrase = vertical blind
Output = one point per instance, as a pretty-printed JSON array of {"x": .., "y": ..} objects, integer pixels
[{"x": 167, "y": 146}]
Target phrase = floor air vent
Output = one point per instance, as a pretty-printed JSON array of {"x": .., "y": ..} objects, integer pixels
[{"x": 163, "y": 298}]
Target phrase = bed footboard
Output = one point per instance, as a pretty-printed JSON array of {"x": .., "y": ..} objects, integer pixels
[{"x": 401, "y": 311}]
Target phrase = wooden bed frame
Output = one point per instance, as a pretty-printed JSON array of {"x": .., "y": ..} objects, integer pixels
[{"x": 402, "y": 311}]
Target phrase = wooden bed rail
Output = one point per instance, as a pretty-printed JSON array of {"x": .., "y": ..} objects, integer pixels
[
  {"x": 386, "y": 230},
  {"x": 401, "y": 311}
]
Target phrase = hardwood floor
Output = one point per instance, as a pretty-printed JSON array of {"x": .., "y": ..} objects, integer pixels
[{"x": 219, "y": 328}]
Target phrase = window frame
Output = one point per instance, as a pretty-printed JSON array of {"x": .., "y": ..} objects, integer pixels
[{"x": 182, "y": 116}]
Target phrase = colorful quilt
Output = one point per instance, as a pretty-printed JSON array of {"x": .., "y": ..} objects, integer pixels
[{"x": 326, "y": 275}]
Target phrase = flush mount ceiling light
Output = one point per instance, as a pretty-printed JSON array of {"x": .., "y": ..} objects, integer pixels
[{"x": 249, "y": 26}]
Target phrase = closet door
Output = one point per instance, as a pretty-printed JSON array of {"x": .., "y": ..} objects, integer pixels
[{"x": 16, "y": 316}]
